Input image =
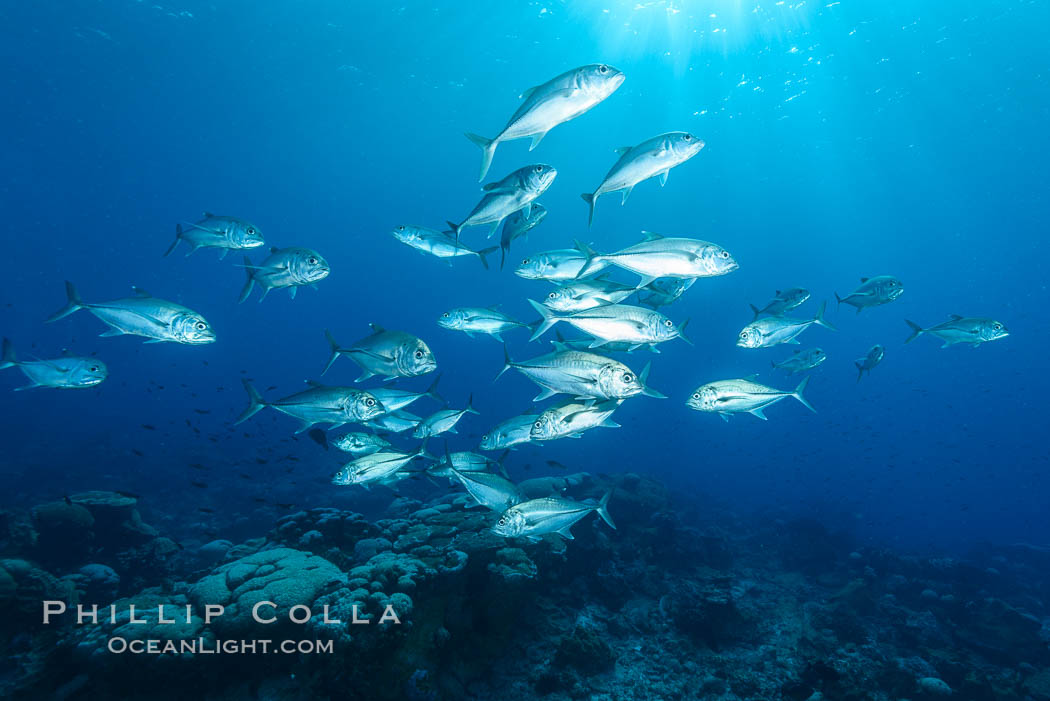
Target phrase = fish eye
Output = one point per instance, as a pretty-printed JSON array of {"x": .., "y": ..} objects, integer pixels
[
  {"x": 696, "y": 395},
  {"x": 539, "y": 169},
  {"x": 743, "y": 334},
  {"x": 93, "y": 368},
  {"x": 668, "y": 322},
  {"x": 445, "y": 315},
  {"x": 312, "y": 261},
  {"x": 603, "y": 68},
  {"x": 552, "y": 295},
  {"x": 401, "y": 228},
  {"x": 251, "y": 230},
  {"x": 537, "y": 425},
  {"x": 370, "y": 402},
  {"x": 525, "y": 262},
  {"x": 687, "y": 137},
  {"x": 628, "y": 377},
  {"x": 997, "y": 326},
  {"x": 419, "y": 355},
  {"x": 200, "y": 326},
  {"x": 725, "y": 254},
  {"x": 503, "y": 522}
]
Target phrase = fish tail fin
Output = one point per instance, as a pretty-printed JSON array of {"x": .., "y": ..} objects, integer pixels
[
  {"x": 432, "y": 391},
  {"x": 334, "y": 346},
  {"x": 9, "y": 359},
  {"x": 507, "y": 363},
  {"x": 681, "y": 332},
  {"x": 603, "y": 509},
  {"x": 860, "y": 370},
  {"x": 247, "y": 289},
  {"x": 820, "y": 320},
  {"x": 470, "y": 406},
  {"x": 797, "y": 394},
  {"x": 838, "y": 299},
  {"x": 595, "y": 261},
  {"x": 255, "y": 403},
  {"x": 549, "y": 319},
  {"x": 422, "y": 452},
  {"x": 73, "y": 303},
  {"x": 501, "y": 461},
  {"x": 454, "y": 228},
  {"x": 590, "y": 198},
  {"x": 756, "y": 310},
  {"x": 643, "y": 380},
  {"x": 484, "y": 252},
  {"x": 916, "y": 330},
  {"x": 488, "y": 150},
  {"x": 178, "y": 237}
]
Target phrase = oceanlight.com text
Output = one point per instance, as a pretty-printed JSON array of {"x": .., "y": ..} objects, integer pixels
[{"x": 202, "y": 646}]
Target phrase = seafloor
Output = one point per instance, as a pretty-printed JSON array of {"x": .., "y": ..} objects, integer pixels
[{"x": 705, "y": 605}]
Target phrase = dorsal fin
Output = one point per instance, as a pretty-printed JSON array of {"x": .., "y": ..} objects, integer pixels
[
  {"x": 864, "y": 279},
  {"x": 955, "y": 317},
  {"x": 377, "y": 328},
  {"x": 527, "y": 92},
  {"x": 139, "y": 292},
  {"x": 778, "y": 293},
  {"x": 622, "y": 150},
  {"x": 752, "y": 378},
  {"x": 313, "y": 383},
  {"x": 274, "y": 249},
  {"x": 651, "y": 236},
  {"x": 208, "y": 215}
]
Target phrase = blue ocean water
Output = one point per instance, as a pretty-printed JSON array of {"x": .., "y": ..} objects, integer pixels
[{"x": 843, "y": 140}]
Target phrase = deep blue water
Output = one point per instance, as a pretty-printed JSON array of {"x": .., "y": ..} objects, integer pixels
[{"x": 843, "y": 140}]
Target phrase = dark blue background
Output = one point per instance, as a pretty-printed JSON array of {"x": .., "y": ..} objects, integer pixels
[{"x": 843, "y": 140}]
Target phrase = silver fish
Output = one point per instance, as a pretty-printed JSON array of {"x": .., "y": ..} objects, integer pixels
[
  {"x": 318, "y": 405},
  {"x": 653, "y": 157},
  {"x": 742, "y": 396},
  {"x": 569, "y": 419},
  {"x": 959, "y": 329},
  {"x": 580, "y": 295},
  {"x": 213, "y": 231},
  {"x": 438, "y": 243},
  {"x": 784, "y": 302},
  {"x": 774, "y": 330},
  {"x": 664, "y": 291},
  {"x": 658, "y": 256},
  {"x": 801, "y": 361},
  {"x": 360, "y": 443},
  {"x": 504, "y": 197},
  {"x": 384, "y": 467},
  {"x": 533, "y": 518},
  {"x": 390, "y": 354},
  {"x": 143, "y": 315},
  {"x": 608, "y": 346},
  {"x": 466, "y": 461},
  {"x": 580, "y": 374},
  {"x": 616, "y": 322},
  {"x": 872, "y": 358},
  {"x": 552, "y": 103},
  {"x": 395, "y": 422},
  {"x": 395, "y": 399},
  {"x": 443, "y": 421},
  {"x": 289, "y": 268},
  {"x": 472, "y": 320},
  {"x": 509, "y": 433},
  {"x": 557, "y": 265},
  {"x": 489, "y": 489},
  {"x": 872, "y": 292},
  {"x": 518, "y": 225},
  {"x": 66, "y": 372}
]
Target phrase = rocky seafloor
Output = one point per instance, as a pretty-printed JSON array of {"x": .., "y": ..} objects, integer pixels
[{"x": 664, "y": 607}]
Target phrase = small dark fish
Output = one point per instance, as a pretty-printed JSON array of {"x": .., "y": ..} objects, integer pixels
[
  {"x": 202, "y": 411},
  {"x": 205, "y": 510},
  {"x": 138, "y": 452},
  {"x": 200, "y": 485},
  {"x": 319, "y": 437},
  {"x": 555, "y": 463}
]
